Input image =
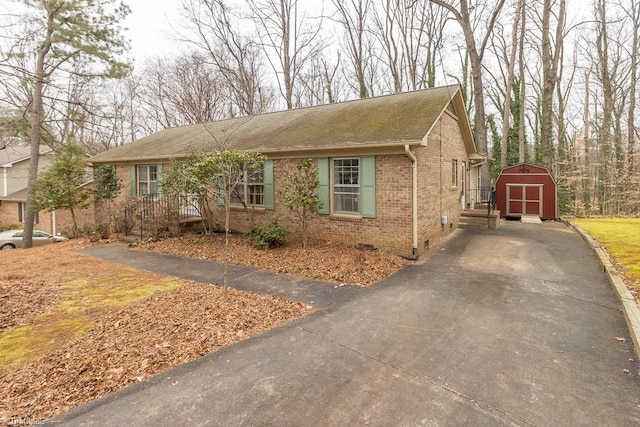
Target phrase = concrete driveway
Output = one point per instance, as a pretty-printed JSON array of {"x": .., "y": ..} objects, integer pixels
[{"x": 516, "y": 326}]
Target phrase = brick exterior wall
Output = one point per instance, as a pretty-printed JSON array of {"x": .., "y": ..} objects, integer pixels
[
  {"x": 105, "y": 212},
  {"x": 9, "y": 213},
  {"x": 444, "y": 145},
  {"x": 64, "y": 221},
  {"x": 391, "y": 230}
]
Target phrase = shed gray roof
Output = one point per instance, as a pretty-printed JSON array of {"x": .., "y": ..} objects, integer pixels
[{"x": 391, "y": 120}]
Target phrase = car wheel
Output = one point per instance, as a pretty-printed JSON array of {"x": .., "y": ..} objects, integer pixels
[{"x": 7, "y": 246}]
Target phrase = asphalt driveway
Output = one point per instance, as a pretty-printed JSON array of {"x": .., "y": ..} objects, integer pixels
[{"x": 517, "y": 326}]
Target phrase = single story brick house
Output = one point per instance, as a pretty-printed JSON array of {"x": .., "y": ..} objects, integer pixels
[{"x": 393, "y": 169}]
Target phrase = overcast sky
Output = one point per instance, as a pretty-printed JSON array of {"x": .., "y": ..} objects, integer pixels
[{"x": 149, "y": 27}]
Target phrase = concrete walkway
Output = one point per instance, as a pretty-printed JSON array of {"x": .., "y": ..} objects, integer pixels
[
  {"x": 516, "y": 326},
  {"x": 318, "y": 293}
]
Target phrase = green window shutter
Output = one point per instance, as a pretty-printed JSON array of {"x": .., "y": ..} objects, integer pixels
[
  {"x": 368, "y": 186},
  {"x": 269, "y": 199},
  {"x": 323, "y": 187},
  {"x": 134, "y": 182},
  {"x": 159, "y": 178},
  {"x": 219, "y": 192}
]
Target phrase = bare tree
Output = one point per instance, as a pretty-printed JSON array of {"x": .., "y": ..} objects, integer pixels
[
  {"x": 288, "y": 38},
  {"x": 474, "y": 22},
  {"x": 353, "y": 15},
  {"x": 632, "y": 11},
  {"x": 185, "y": 91},
  {"x": 54, "y": 35},
  {"x": 320, "y": 84},
  {"x": 522, "y": 93},
  {"x": 388, "y": 35},
  {"x": 213, "y": 27},
  {"x": 411, "y": 33},
  {"x": 552, "y": 49},
  {"x": 510, "y": 77}
]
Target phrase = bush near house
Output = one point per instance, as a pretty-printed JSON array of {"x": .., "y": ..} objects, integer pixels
[
  {"x": 270, "y": 236},
  {"x": 5, "y": 227}
]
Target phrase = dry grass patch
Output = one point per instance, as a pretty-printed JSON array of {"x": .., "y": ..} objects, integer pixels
[{"x": 95, "y": 327}]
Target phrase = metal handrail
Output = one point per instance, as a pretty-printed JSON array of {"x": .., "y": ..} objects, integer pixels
[{"x": 148, "y": 210}]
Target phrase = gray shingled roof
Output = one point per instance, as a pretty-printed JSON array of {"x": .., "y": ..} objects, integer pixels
[
  {"x": 13, "y": 154},
  {"x": 380, "y": 121}
]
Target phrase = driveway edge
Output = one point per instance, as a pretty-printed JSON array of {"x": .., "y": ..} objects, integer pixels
[{"x": 628, "y": 302}]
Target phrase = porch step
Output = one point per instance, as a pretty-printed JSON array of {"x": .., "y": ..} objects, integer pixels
[
  {"x": 472, "y": 222},
  {"x": 477, "y": 218}
]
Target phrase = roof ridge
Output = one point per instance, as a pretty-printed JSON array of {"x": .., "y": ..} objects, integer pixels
[{"x": 328, "y": 105}]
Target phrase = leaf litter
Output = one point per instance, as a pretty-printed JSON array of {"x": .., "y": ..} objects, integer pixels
[{"x": 130, "y": 343}]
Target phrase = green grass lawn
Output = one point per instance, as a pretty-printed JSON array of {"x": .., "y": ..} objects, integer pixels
[{"x": 621, "y": 238}]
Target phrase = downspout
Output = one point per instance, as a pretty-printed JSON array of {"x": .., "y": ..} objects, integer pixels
[
  {"x": 54, "y": 228},
  {"x": 414, "y": 203}
]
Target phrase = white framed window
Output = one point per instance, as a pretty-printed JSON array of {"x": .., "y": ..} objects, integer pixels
[
  {"x": 454, "y": 173},
  {"x": 346, "y": 185},
  {"x": 251, "y": 189},
  {"x": 147, "y": 176},
  {"x": 22, "y": 208}
]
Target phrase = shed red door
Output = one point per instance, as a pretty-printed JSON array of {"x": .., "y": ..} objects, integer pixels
[{"x": 524, "y": 199}]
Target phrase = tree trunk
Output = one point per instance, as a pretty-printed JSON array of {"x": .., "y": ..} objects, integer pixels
[
  {"x": 475, "y": 56},
  {"x": 304, "y": 227},
  {"x": 227, "y": 215},
  {"x": 633, "y": 83},
  {"x": 522, "y": 155},
  {"x": 606, "y": 154},
  {"x": 75, "y": 223},
  {"x": 507, "y": 97},
  {"x": 35, "y": 117},
  {"x": 286, "y": 61},
  {"x": 354, "y": 22},
  {"x": 550, "y": 61}
]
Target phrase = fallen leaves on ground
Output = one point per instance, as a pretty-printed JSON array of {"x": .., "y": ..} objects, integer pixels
[
  {"x": 21, "y": 301},
  {"x": 125, "y": 344},
  {"x": 321, "y": 260}
]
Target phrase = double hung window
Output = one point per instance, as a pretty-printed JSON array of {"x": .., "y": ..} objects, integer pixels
[
  {"x": 22, "y": 208},
  {"x": 147, "y": 180},
  {"x": 346, "y": 185},
  {"x": 454, "y": 173},
  {"x": 250, "y": 189}
]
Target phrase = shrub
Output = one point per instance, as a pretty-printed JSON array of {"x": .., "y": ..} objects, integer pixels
[
  {"x": 270, "y": 236},
  {"x": 5, "y": 227}
]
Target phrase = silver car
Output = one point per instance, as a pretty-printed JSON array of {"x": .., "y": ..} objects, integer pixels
[{"x": 12, "y": 239}]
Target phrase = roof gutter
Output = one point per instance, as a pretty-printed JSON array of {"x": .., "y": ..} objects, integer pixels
[
  {"x": 482, "y": 162},
  {"x": 414, "y": 202},
  {"x": 292, "y": 152}
]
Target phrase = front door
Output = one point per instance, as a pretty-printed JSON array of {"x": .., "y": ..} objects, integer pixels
[{"x": 524, "y": 199}]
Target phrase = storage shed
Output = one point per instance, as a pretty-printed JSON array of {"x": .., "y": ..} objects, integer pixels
[{"x": 526, "y": 189}]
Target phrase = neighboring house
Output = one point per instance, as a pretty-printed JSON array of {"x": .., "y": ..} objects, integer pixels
[
  {"x": 393, "y": 169},
  {"x": 14, "y": 176}
]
